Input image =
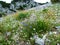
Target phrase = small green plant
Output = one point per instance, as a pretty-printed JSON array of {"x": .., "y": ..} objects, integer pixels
[
  {"x": 2, "y": 14},
  {"x": 54, "y": 39},
  {"x": 8, "y": 28},
  {"x": 49, "y": 14},
  {"x": 29, "y": 29},
  {"x": 23, "y": 15},
  {"x": 54, "y": 1}
]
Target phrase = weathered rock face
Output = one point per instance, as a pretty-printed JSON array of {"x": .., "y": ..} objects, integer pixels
[
  {"x": 16, "y": 5},
  {"x": 4, "y": 8},
  {"x": 24, "y": 4}
]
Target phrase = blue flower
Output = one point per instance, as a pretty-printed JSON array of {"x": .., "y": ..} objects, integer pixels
[
  {"x": 30, "y": 26},
  {"x": 24, "y": 24}
]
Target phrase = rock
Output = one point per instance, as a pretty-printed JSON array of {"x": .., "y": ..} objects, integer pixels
[
  {"x": 16, "y": 5},
  {"x": 58, "y": 28},
  {"x": 40, "y": 41},
  {"x": 9, "y": 8}
]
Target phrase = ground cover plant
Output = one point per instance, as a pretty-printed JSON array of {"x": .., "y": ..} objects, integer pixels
[{"x": 21, "y": 27}]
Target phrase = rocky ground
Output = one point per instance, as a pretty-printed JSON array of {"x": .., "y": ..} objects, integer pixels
[{"x": 32, "y": 18}]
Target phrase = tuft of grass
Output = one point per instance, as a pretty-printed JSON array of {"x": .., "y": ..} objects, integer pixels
[
  {"x": 39, "y": 26},
  {"x": 22, "y": 15}
]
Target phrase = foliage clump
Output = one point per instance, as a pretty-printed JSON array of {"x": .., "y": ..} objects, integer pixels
[{"x": 54, "y": 39}]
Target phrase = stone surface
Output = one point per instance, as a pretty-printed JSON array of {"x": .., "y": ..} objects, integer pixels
[
  {"x": 9, "y": 8},
  {"x": 16, "y": 5}
]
